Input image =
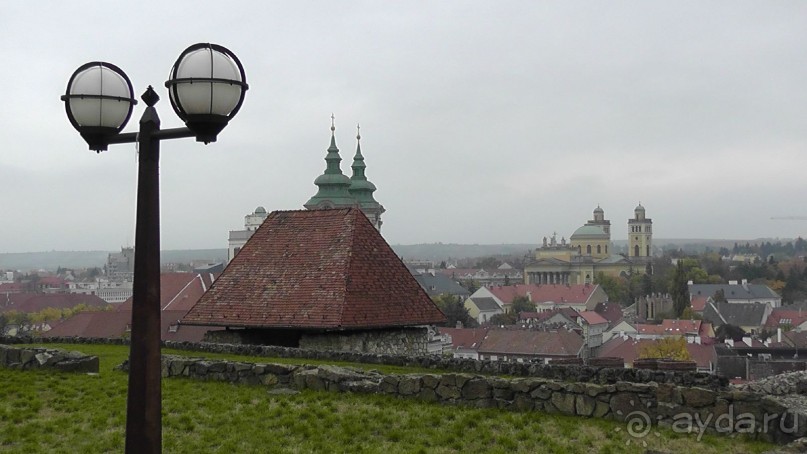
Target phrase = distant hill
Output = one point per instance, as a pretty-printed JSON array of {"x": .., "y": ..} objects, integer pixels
[
  {"x": 52, "y": 260},
  {"x": 439, "y": 251}
]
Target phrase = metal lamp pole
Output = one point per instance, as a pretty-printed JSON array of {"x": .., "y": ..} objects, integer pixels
[{"x": 99, "y": 102}]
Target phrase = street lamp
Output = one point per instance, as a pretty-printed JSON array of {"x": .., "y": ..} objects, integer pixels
[{"x": 206, "y": 88}]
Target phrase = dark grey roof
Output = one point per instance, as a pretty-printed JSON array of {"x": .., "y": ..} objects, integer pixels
[
  {"x": 734, "y": 291},
  {"x": 738, "y": 314},
  {"x": 439, "y": 284},
  {"x": 485, "y": 304}
]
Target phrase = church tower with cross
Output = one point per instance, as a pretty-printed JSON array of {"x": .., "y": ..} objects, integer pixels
[{"x": 336, "y": 190}]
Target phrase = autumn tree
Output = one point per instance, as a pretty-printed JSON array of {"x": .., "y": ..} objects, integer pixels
[{"x": 666, "y": 348}]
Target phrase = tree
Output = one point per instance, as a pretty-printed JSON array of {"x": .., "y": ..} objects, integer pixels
[
  {"x": 508, "y": 318},
  {"x": 666, "y": 348},
  {"x": 454, "y": 310},
  {"x": 521, "y": 304},
  {"x": 729, "y": 331},
  {"x": 679, "y": 290},
  {"x": 615, "y": 288}
]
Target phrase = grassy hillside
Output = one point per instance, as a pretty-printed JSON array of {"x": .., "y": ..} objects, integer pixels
[{"x": 43, "y": 411}]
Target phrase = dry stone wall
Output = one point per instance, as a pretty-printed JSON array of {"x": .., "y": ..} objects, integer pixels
[
  {"x": 640, "y": 405},
  {"x": 47, "y": 358},
  {"x": 577, "y": 373}
]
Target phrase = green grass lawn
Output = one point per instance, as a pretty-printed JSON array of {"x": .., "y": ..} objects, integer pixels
[{"x": 45, "y": 411}]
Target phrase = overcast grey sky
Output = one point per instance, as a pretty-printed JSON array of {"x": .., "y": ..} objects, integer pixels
[{"x": 482, "y": 122}]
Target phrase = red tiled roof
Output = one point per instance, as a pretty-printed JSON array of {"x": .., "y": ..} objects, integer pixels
[
  {"x": 107, "y": 324},
  {"x": 698, "y": 303},
  {"x": 465, "y": 337},
  {"x": 178, "y": 291},
  {"x": 318, "y": 269},
  {"x": 116, "y": 324},
  {"x": 543, "y": 315},
  {"x": 539, "y": 294},
  {"x": 785, "y": 317},
  {"x": 593, "y": 318},
  {"x": 670, "y": 327},
  {"x": 610, "y": 311},
  {"x": 12, "y": 287},
  {"x": 35, "y": 302},
  {"x": 559, "y": 343}
]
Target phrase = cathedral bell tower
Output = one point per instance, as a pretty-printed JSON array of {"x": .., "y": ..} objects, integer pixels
[{"x": 640, "y": 236}]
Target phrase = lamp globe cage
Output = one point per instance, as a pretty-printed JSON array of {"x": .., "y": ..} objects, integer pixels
[
  {"x": 206, "y": 86},
  {"x": 99, "y": 102}
]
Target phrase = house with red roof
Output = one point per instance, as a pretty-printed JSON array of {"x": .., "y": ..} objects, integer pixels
[
  {"x": 580, "y": 297},
  {"x": 178, "y": 293},
  {"x": 320, "y": 279},
  {"x": 786, "y": 320},
  {"x": 594, "y": 325},
  {"x": 522, "y": 345},
  {"x": 465, "y": 341},
  {"x": 694, "y": 331}
]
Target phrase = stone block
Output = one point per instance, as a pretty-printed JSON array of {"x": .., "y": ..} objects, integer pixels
[
  {"x": 88, "y": 364},
  {"x": 408, "y": 385},
  {"x": 446, "y": 392},
  {"x": 601, "y": 409},
  {"x": 564, "y": 402},
  {"x": 697, "y": 397},
  {"x": 430, "y": 381},
  {"x": 594, "y": 390},
  {"x": 428, "y": 394},
  {"x": 476, "y": 388},
  {"x": 542, "y": 392},
  {"x": 585, "y": 405},
  {"x": 623, "y": 404},
  {"x": 389, "y": 385}
]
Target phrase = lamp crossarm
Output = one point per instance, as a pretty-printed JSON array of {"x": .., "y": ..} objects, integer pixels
[{"x": 163, "y": 134}]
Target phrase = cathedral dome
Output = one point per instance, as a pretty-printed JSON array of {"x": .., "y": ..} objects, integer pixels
[
  {"x": 589, "y": 232},
  {"x": 260, "y": 210},
  {"x": 599, "y": 210}
]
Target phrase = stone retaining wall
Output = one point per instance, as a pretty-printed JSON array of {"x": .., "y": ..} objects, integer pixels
[
  {"x": 640, "y": 405},
  {"x": 47, "y": 358},
  {"x": 570, "y": 373}
]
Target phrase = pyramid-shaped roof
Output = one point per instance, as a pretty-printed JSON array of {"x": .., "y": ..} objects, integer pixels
[{"x": 318, "y": 269}]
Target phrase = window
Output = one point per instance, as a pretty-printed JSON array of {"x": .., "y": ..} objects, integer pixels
[
  {"x": 599, "y": 249},
  {"x": 588, "y": 249}
]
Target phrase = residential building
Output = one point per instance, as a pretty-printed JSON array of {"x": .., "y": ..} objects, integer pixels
[
  {"x": 751, "y": 317},
  {"x": 482, "y": 308},
  {"x": 546, "y": 297},
  {"x": 521, "y": 345},
  {"x": 465, "y": 341},
  {"x": 178, "y": 293},
  {"x": 738, "y": 292},
  {"x": 120, "y": 265}
]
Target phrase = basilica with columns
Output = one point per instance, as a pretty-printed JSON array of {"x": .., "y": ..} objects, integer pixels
[{"x": 589, "y": 252}]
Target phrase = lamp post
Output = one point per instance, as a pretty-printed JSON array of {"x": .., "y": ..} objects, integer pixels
[{"x": 206, "y": 87}]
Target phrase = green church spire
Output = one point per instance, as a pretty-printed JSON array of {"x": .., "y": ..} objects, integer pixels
[
  {"x": 333, "y": 184},
  {"x": 360, "y": 188}
]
